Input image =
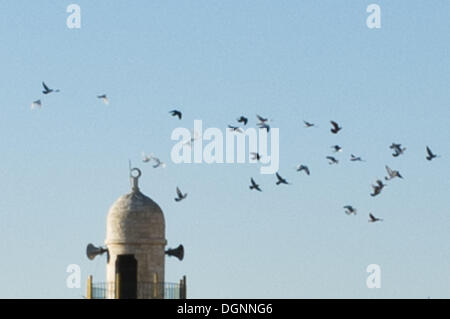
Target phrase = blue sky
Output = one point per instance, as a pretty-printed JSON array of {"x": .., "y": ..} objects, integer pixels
[{"x": 63, "y": 166}]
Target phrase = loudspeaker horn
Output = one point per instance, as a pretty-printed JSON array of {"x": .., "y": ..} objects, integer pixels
[
  {"x": 177, "y": 252},
  {"x": 92, "y": 251}
]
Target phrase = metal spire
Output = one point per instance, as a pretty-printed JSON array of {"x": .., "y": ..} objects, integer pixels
[{"x": 135, "y": 179}]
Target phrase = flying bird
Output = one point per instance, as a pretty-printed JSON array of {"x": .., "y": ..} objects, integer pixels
[
  {"x": 377, "y": 188},
  {"x": 146, "y": 158},
  {"x": 332, "y": 160},
  {"x": 398, "y": 149},
  {"x": 392, "y": 174},
  {"x": 281, "y": 180},
  {"x": 47, "y": 90},
  {"x": 262, "y": 119},
  {"x": 180, "y": 195},
  {"x": 176, "y": 113},
  {"x": 254, "y": 185},
  {"x": 158, "y": 163},
  {"x": 303, "y": 168},
  {"x": 308, "y": 124},
  {"x": 243, "y": 120},
  {"x": 336, "y": 148},
  {"x": 374, "y": 219},
  {"x": 104, "y": 98},
  {"x": 255, "y": 156},
  {"x": 36, "y": 104},
  {"x": 430, "y": 155},
  {"x": 235, "y": 128},
  {"x": 349, "y": 210},
  {"x": 354, "y": 158},
  {"x": 192, "y": 140},
  {"x": 264, "y": 126},
  {"x": 336, "y": 128}
]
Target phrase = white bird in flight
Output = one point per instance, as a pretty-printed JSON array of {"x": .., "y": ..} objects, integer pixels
[
  {"x": 392, "y": 174},
  {"x": 36, "y": 104},
  {"x": 104, "y": 98},
  {"x": 146, "y": 158},
  {"x": 336, "y": 148}
]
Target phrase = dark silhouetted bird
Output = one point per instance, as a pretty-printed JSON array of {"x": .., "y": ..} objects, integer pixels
[
  {"x": 308, "y": 124},
  {"x": 354, "y": 158},
  {"x": 47, "y": 90},
  {"x": 430, "y": 155},
  {"x": 374, "y": 219},
  {"x": 377, "y": 188},
  {"x": 180, "y": 195},
  {"x": 398, "y": 149},
  {"x": 255, "y": 156},
  {"x": 235, "y": 129},
  {"x": 281, "y": 180},
  {"x": 104, "y": 98},
  {"x": 349, "y": 210},
  {"x": 176, "y": 113},
  {"x": 336, "y": 148},
  {"x": 303, "y": 168},
  {"x": 264, "y": 126},
  {"x": 261, "y": 119},
  {"x": 392, "y": 174},
  {"x": 158, "y": 163},
  {"x": 243, "y": 120},
  {"x": 332, "y": 160},
  {"x": 336, "y": 128},
  {"x": 254, "y": 185}
]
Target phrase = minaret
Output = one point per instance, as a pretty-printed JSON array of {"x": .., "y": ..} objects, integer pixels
[
  {"x": 135, "y": 246},
  {"x": 135, "y": 239}
]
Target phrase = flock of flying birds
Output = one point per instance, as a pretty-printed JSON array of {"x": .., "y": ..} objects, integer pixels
[
  {"x": 47, "y": 90},
  {"x": 263, "y": 123}
]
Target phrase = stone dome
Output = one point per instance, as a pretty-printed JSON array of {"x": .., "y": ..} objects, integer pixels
[{"x": 135, "y": 219}]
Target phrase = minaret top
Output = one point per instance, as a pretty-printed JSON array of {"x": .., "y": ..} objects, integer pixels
[
  {"x": 135, "y": 218},
  {"x": 135, "y": 179}
]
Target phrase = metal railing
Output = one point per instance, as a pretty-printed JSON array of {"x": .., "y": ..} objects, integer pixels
[
  {"x": 144, "y": 290},
  {"x": 103, "y": 290}
]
